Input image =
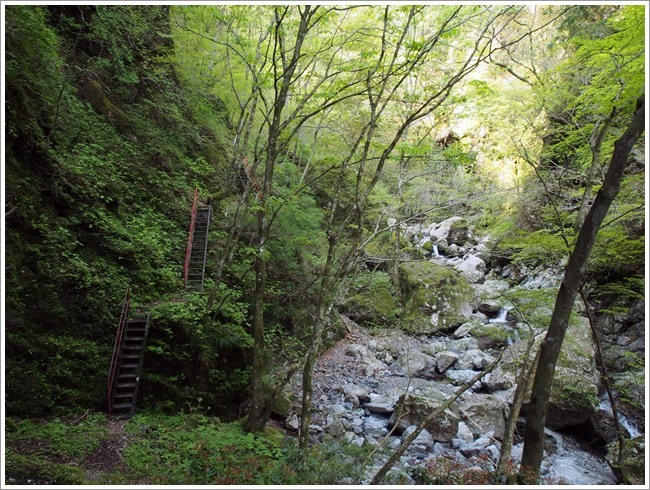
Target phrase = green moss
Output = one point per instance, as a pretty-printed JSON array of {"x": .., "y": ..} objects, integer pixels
[
  {"x": 434, "y": 297},
  {"x": 491, "y": 331},
  {"x": 634, "y": 454},
  {"x": 374, "y": 300}
]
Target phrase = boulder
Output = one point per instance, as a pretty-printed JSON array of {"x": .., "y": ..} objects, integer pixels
[
  {"x": 464, "y": 433},
  {"x": 412, "y": 409},
  {"x": 460, "y": 377},
  {"x": 424, "y": 438},
  {"x": 383, "y": 404},
  {"x": 375, "y": 426},
  {"x": 435, "y": 298},
  {"x": 484, "y": 413},
  {"x": 360, "y": 392},
  {"x": 459, "y": 232},
  {"x": 474, "y": 359},
  {"x": 292, "y": 422},
  {"x": 487, "y": 335},
  {"x": 336, "y": 428},
  {"x": 444, "y": 360},
  {"x": 441, "y": 230},
  {"x": 414, "y": 363},
  {"x": 282, "y": 404},
  {"x": 471, "y": 267},
  {"x": 574, "y": 394}
]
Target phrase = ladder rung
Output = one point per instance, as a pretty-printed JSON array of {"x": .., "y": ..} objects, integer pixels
[
  {"x": 125, "y": 385},
  {"x": 121, "y": 406}
]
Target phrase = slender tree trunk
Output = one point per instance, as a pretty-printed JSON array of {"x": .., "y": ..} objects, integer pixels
[
  {"x": 286, "y": 68},
  {"x": 307, "y": 376},
  {"x": 596, "y": 144},
  {"x": 571, "y": 283},
  {"x": 526, "y": 376},
  {"x": 608, "y": 388}
]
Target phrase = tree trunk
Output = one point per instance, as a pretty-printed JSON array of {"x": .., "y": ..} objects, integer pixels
[
  {"x": 596, "y": 144},
  {"x": 307, "y": 377},
  {"x": 571, "y": 283},
  {"x": 256, "y": 420},
  {"x": 526, "y": 376}
]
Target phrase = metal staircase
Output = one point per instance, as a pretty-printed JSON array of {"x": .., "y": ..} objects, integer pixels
[
  {"x": 197, "y": 245},
  {"x": 126, "y": 363}
]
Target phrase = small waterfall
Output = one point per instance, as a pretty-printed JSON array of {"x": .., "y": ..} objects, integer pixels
[
  {"x": 627, "y": 425},
  {"x": 501, "y": 318},
  {"x": 436, "y": 253}
]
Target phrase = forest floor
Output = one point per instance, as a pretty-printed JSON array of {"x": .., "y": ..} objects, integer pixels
[{"x": 107, "y": 458}]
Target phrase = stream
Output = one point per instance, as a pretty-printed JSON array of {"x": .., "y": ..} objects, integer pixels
[
  {"x": 360, "y": 382},
  {"x": 356, "y": 391}
]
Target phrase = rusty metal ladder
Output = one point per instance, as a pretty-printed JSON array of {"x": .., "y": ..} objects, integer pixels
[
  {"x": 196, "y": 253},
  {"x": 126, "y": 363}
]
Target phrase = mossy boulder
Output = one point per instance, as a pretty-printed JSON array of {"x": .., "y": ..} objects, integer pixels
[
  {"x": 459, "y": 233},
  {"x": 632, "y": 470},
  {"x": 435, "y": 298},
  {"x": 373, "y": 300},
  {"x": 488, "y": 335},
  {"x": 413, "y": 409}
]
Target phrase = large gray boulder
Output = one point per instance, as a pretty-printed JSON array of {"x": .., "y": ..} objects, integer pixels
[
  {"x": 484, "y": 413},
  {"x": 435, "y": 297},
  {"x": 440, "y": 231},
  {"x": 413, "y": 409},
  {"x": 471, "y": 267}
]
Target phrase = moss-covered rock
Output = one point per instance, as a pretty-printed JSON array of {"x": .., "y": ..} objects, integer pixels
[
  {"x": 435, "y": 297},
  {"x": 487, "y": 334},
  {"x": 459, "y": 232},
  {"x": 413, "y": 409},
  {"x": 574, "y": 394},
  {"x": 633, "y": 465},
  {"x": 373, "y": 300}
]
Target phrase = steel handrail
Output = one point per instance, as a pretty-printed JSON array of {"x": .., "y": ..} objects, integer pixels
[
  {"x": 112, "y": 370},
  {"x": 188, "y": 252}
]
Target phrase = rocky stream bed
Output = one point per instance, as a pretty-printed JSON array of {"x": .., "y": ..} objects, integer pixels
[{"x": 375, "y": 385}]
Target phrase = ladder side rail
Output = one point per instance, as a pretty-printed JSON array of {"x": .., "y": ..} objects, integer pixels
[
  {"x": 205, "y": 247},
  {"x": 188, "y": 252},
  {"x": 117, "y": 348},
  {"x": 139, "y": 371}
]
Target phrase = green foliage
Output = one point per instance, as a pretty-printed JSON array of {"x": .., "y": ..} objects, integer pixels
[
  {"x": 196, "y": 449},
  {"x": 191, "y": 365},
  {"x": 102, "y": 158},
  {"x": 533, "y": 249},
  {"x": 41, "y": 452}
]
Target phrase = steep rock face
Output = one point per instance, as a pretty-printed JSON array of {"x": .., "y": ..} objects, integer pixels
[
  {"x": 435, "y": 298},
  {"x": 574, "y": 396}
]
